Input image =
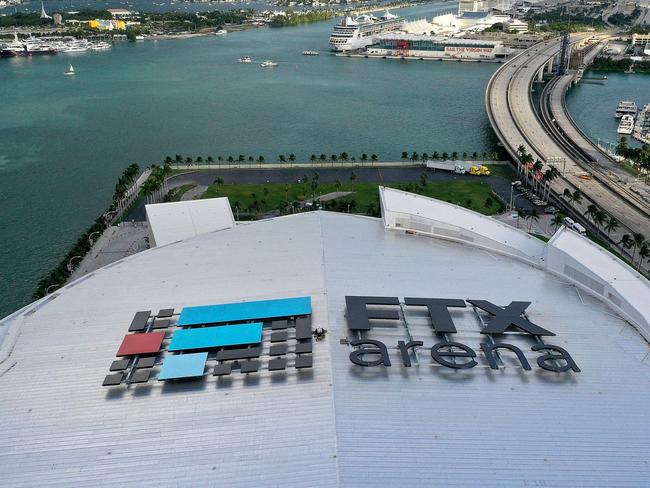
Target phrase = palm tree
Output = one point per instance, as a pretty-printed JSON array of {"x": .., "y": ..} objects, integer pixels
[
  {"x": 199, "y": 160},
  {"x": 557, "y": 221},
  {"x": 322, "y": 158},
  {"x": 405, "y": 155},
  {"x": 612, "y": 225},
  {"x": 188, "y": 161},
  {"x": 260, "y": 159},
  {"x": 344, "y": 156},
  {"x": 600, "y": 217},
  {"x": 445, "y": 155},
  {"x": 521, "y": 214},
  {"x": 425, "y": 156},
  {"x": 282, "y": 158},
  {"x": 292, "y": 157},
  {"x": 374, "y": 158},
  {"x": 435, "y": 155},
  {"x": 626, "y": 241},
  {"x": 577, "y": 196},
  {"x": 591, "y": 210},
  {"x": 415, "y": 156},
  {"x": 464, "y": 155},
  {"x": 231, "y": 159},
  {"x": 312, "y": 158},
  {"x": 364, "y": 157},
  {"x": 210, "y": 160},
  {"x": 333, "y": 158},
  {"x": 454, "y": 155},
  {"x": 638, "y": 240},
  {"x": 241, "y": 158},
  {"x": 251, "y": 159}
]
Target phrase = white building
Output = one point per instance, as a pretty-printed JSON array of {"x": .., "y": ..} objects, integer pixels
[{"x": 423, "y": 415}]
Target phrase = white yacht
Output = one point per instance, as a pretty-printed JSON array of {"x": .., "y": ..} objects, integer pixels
[
  {"x": 626, "y": 108},
  {"x": 360, "y": 32},
  {"x": 626, "y": 126},
  {"x": 245, "y": 59},
  {"x": 268, "y": 64}
]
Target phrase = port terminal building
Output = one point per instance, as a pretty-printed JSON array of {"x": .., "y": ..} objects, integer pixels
[
  {"x": 433, "y": 346},
  {"x": 437, "y": 47}
]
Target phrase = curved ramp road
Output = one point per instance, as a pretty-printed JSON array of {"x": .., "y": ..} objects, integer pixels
[{"x": 516, "y": 123}]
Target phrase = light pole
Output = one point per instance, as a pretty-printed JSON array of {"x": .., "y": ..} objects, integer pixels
[
  {"x": 90, "y": 237},
  {"x": 47, "y": 290},
  {"x": 512, "y": 189},
  {"x": 69, "y": 265}
]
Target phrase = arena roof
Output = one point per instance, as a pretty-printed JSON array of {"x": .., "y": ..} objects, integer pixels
[{"x": 336, "y": 423}]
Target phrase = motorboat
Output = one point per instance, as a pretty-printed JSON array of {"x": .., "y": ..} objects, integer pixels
[{"x": 268, "y": 64}]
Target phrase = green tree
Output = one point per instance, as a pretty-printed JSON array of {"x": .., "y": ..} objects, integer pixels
[
  {"x": 374, "y": 159},
  {"x": 405, "y": 155},
  {"x": 292, "y": 157},
  {"x": 364, "y": 157},
  {"x": 612, "y": 225}
]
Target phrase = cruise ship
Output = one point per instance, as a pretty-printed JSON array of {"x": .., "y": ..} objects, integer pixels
[
  {"x": 360, "y": 32},
  {"x": 626, "y": 108},
  {"x": 626, "y": 126}
]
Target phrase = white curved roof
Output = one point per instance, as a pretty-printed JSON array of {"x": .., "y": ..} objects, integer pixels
[{"x": 340, "y": 424}]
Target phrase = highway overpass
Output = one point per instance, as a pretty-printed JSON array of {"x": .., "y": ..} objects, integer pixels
[{"x": 517, "y": 123}]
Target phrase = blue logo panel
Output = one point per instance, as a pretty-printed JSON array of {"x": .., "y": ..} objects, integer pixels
[
  {"x": 183, "y": 366},
  {"x": 212, "y": 337},
  {"x": 232, "y": 312}
]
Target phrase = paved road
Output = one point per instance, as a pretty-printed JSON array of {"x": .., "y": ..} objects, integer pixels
[
  {"x": 516, "y": 123},
  {"x": 501, "y": 186}
]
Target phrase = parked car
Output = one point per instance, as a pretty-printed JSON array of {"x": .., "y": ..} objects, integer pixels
[{"x": 551, "y": 210}]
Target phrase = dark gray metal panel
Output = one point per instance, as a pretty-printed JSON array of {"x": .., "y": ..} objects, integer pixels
[
  {"x": 222, "y": 369},
  {"x": 277, "y": 364},
  {"x": 113, "y": 379},
  {"x": 120, "y": 365},
  {"x": 140, "y": 376},
  {"x": 249, "y": 366},
  {"x": 303, "y": 347},
  {"x": 279, "y": 336},
  {"x": 165, "y": 312},
  {"x": 278, "y": 349},
  {"x": 243, "y": 353},
  {"x": 303, "y": 330},
  {"x": 161, "y": 324},
  {"x": 279, "y": 324},
  {"x": 139, "y": 322},
  {"x": 145, "y": 362},
  {"x": 305, "y": 361}
]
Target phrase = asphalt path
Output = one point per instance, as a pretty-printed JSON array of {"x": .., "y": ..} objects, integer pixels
[{"x": 500, "y": 185}]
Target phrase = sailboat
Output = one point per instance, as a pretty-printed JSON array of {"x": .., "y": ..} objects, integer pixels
[{"x": 70, "y": 71}]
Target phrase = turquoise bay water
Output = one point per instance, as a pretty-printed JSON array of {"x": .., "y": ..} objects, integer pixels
[
  {"x": 65, "y": 140},
  {"x": 593, "y": 105}
]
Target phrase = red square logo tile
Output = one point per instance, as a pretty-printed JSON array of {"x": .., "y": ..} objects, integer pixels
[{"x": 141, "y": 343}]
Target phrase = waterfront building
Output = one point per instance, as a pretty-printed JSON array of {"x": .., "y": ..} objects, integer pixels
[
  {"x": 103, "y": 24},
  {"x": 516, "y": 25},
  {"x": 440, "y": 47},
  {"x": 432, "y": 347},
  {"x": 119, "y": 13}
]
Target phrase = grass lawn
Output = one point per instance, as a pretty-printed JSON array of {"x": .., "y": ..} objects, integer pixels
[{"x": 263, "y": 198}]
